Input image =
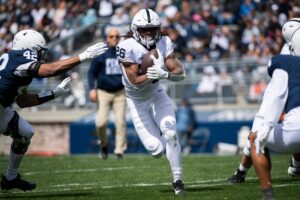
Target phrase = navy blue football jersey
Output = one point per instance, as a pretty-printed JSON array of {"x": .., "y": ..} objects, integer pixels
[
  {"x": 290, "y": 64},
  {"x": 14, "y": 74}
]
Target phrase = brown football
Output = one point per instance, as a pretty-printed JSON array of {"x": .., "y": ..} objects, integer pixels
[{"x": 147, "y": 61}]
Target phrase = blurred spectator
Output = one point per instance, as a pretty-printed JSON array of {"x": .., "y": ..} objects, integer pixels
[
  {"x": 256, "y": 90},
  {"x": 89, "y": 18},
  {"x": 246, "y": 8},
  {"x": 208, "y": 82},
  {"x": 25, "y": 19},
  {"x": 186, "y": 124},
  {"x": 77, "y": 94},
  {"x": 119, "y": 18},
  {"x": 60, "y": 13},
  {"x": 198, "y": 28},
  {"x": 225, "y": 86},
  {"x": 65, "y": 32},
  {"x": 179, "y": 43},
  {"x": 188, "y": 63},
  {"x": 219, "y": 42},
  {"x": 224, "y": 78},
  {"x": 105, "y": 8}
]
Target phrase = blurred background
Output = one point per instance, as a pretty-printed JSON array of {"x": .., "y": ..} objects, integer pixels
[{"x": 224, "y": 45}]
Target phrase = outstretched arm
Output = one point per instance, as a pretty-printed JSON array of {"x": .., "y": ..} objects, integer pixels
[{"x": 61, "y": 66}]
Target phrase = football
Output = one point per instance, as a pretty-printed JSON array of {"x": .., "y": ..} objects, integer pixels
[{"x": 147, "y": 61}]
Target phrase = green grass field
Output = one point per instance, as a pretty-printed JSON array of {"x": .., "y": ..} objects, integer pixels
[{"x": 143, "y": 177}]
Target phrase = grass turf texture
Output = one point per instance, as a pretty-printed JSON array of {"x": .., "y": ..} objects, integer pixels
[{"x": 143, "y": 177}]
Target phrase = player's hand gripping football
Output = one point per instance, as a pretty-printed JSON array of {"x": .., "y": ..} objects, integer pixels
[
  {"x": 261, "y": 141},
  {"x": 63, "y": 87},
  {"x": 157, "y": 71},
  {"x": 93, "y": 51}
]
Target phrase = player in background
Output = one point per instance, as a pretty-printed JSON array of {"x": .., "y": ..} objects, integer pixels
[
  {"x": 288, "y": 30},
  {"x": 17, "y": 69},
  {"x": 150, "y": 107},
  {"x": 282, "y": 95}
]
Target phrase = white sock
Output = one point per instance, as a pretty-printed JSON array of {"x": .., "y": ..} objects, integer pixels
[
  {"x": 296, "y": 163},
  {"x": 173, "y": 153},
  {"x": 177, "y": 175},
  {"x": 13, "y": 166},
  {"x": 242, "y": 168}
]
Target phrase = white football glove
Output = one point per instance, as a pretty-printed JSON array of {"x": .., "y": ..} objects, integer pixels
[
  {"x": 261, "y": 141},
  {"x": 63, "y": 87},
  {"x": 157, "y": 71},
  {"x": 93, "y": 51}
]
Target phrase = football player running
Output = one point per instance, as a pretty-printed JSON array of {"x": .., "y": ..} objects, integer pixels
[
  {"x": 281, "y": 95},
  {"x": 288, "y": 30},
  {"x": 17, "y": 69},
  {"x": 151, "y": 109}
]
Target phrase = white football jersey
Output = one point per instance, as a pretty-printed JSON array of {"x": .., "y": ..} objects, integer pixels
[
  {"x": 285, "y": 50},
  {"x": 129, "y": 50}
]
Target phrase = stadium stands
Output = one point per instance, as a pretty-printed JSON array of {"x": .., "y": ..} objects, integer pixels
[{"x": 238, "y": 35}]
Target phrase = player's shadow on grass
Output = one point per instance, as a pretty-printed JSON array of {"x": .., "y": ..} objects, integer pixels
[
  {"x": 196, "y": 189},
  {"x": 286, "y": 180},
  {"x": 48, "y": 195}
]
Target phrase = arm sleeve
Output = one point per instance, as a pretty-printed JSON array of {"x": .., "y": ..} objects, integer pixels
[{"x": 275, "y": 98}]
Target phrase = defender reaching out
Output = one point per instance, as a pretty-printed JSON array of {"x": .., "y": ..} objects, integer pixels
[{"x": 17, "y": 69}]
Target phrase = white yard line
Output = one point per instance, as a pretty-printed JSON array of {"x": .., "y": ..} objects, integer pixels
[
  {"x": 80, "y": 170},
  {"x": 98, "y": 185}
]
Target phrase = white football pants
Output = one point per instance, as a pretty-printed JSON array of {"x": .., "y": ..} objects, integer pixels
[
  {"x": 284, "y": 137},
  {"x": 155, "y": 123}
]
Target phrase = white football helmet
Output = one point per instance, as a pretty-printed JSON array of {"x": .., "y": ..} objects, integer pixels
[
  {"x": 289, "y": 29},
  {"x": 145, "y": 26},
  {"x": 30, "y": 39},
  {"x": 295, "y": 43}
]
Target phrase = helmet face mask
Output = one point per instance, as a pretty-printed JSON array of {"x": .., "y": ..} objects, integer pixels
[
  {"x": 33, "y": 40},
  {"x": 42, "y": 54},
  {"x": 146, "y": 27}
]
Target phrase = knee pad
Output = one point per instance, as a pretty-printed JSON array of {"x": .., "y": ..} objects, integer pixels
[
  {"x": 154, "y": 146},
  {"x": 167, "y": 124},
  {"x": 20, "y": 145}
]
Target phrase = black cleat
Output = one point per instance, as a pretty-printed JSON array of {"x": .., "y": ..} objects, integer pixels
[
  {"x": 119, "y": 156},
  {"x": 293, "y": 171},
  {"x": 104, "y": 153},
  {"x": 178, "y": 187},
  {"x": 238, "y": 177},
  {"x": 17, "y": 183}
]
